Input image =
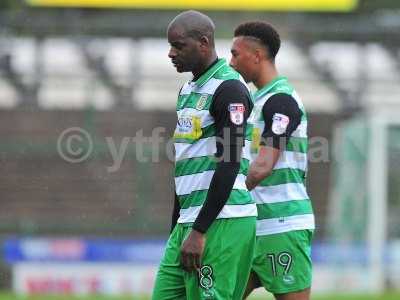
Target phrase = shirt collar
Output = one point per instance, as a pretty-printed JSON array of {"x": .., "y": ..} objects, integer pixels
[
  {"x": 268, "y": 87},
  {"x": 218, "y": 64}
]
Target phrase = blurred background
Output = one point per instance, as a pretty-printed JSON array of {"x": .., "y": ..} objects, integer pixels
[{"x": 87, "y": 107}]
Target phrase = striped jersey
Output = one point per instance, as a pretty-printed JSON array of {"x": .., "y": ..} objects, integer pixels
[
  {"x": 282, "y": 201},
  {"x": 195, "y": 149}
]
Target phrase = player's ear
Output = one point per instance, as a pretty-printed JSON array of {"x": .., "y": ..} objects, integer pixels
[
  {"x": 258, "y": 56},
  {"x": 204, "y": 41}
]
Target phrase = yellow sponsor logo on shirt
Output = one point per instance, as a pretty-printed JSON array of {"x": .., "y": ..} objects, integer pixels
[
  {"x": 255, "y": 140},
  {"x": 188, "y": 127}
]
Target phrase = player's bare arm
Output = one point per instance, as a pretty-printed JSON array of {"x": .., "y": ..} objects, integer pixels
[{"x": 262, "y": 166}]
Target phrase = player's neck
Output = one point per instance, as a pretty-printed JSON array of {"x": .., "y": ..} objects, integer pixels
[
  {"x": 205, "y": 65},
  {"x": 267, "y": 74}
]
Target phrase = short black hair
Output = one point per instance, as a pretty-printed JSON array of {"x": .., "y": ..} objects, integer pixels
[{"x": 264, "y": 32}]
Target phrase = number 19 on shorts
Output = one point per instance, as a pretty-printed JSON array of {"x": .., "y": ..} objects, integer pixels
[{"x": 281, "y": 261}]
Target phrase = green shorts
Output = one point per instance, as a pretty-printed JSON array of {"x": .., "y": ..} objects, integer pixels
[
  {"x": 226, "y": 263},
  {"x": 283, "y": 261}
]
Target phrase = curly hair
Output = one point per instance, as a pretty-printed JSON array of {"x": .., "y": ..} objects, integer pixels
[{"x": 263, "y": 32}]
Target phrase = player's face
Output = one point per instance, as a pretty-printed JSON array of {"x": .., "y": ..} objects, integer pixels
[
  {"x": 243, "y": 58},
  {"x": 184, "y": 52}
]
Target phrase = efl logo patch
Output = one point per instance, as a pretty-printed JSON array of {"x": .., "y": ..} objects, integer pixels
[
  {"x": 236, "y": 112},
  {"x": 280, "y": 123}
]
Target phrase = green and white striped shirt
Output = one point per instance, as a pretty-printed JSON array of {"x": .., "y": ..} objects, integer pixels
[
  {"x": 195, "y": 147},
  {"x": 282, "y": 201}
]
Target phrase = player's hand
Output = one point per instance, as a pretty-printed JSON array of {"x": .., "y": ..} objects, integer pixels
[
  {"x": 250, "y": 184},
  {"x": 192, "y": 251}
]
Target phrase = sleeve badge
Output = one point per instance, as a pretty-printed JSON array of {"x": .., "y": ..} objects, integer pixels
[
  {"x": 236, "y": 113},
  {"x": 280, "y": 123}
]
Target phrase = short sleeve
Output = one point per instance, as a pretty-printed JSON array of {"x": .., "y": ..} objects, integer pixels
[{"x": 282, "y": 116}]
